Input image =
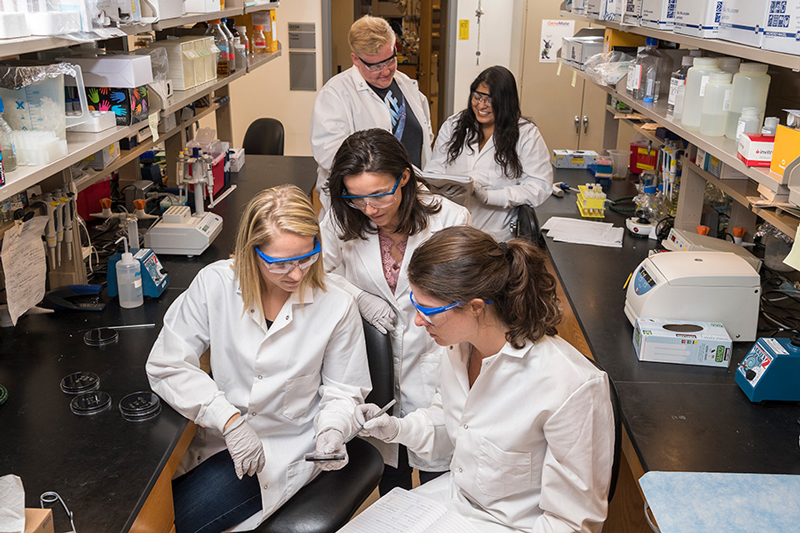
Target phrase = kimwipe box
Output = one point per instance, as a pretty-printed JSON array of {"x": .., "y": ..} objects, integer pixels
[
  {"x": 682, "y": 341},
  {"x": 129, "y": 105}
]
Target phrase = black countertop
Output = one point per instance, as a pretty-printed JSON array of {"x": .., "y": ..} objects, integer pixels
[
  {"x": 679, "y": 417},
  {"x": 103, "y": 466}
]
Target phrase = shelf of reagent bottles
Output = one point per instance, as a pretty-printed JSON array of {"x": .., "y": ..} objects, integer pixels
[
  {"x": 126, "y": 156},
  {"x": 194, "y": 18},
  {"x": 180, "y": 99},
  {"x": 720, "y": 147},
  {"x": 264, "y": 6},
  {"x": 79, "y": 146},
  {"x": 740, "y": 191},
  {"x": 715, "y": 45}
]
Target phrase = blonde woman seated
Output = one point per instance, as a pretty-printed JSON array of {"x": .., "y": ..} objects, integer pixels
[
  {"x": 528, "y": 419},
  {"x": 288, "y": 367}
]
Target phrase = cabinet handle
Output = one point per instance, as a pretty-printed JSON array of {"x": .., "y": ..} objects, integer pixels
[
  {"x": 577, "y": 124},
  {"x": 585, "y": 123}
]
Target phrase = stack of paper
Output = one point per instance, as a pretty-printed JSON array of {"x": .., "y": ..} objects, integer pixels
[{"x": 584, "y": 232}]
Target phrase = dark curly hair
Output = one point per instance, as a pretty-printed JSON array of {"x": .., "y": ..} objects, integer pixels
[
  {"x": 460, "y": 263},
  {"x": 507, "y": 114},
  {"x": 376, "y": 150}
]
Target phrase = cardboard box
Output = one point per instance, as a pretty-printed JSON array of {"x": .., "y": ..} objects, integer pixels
[
  {"x": 164, "y": 9},
  {"x": 658, "y": 14},
  {"x": 202, "y": 6},
  {"x": 129, "y": 105},
  {"x": 702, "y": 158},
  {"x": 616, "y": 38},
  {"x": 743, "y": 21},
  {"x": 38, "y": 520},
  {"x": 682, "y": 341},
  {"x": 612, "y": 10},
  {"x": 593, "y": 8},
  {"x": 118, "y": 70},
  {"x": 583, "y": 48},
  {"x": 236, "y": 159},
  {"x": 633, "y": 12},
  {"x": 698, "y": 18},
  {"x": 787, "y": 148},
  {"x": 722, "y": 171},
  {"x": 104, "y": 157},
  {"x": 579, "y": 7},
  {"x": 755, "y": 150},
  {"x": 574, "y": 158},
  {"x": 782, "y": 32},
  {"x": 780, "y": 194}
]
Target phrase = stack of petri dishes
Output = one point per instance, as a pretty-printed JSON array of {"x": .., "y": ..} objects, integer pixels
[
  {"x": 140, "y": 406},
  {"x": 90, "y": 403},
  {"x": 80, "y": 382}
]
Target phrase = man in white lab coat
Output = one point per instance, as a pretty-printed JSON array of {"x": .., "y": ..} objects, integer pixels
[{"x": 370, "y": 94}]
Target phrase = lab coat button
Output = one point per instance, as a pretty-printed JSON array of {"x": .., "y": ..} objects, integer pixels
[
  {"x": 253, "y": 413},
  {"x": 460, "y": 470},
  {"x": 266, "y": 487},
  {"x": 466, "y": 426},
  {"x": 260, "y": 377},
  {"x": 287, "y": 317}
]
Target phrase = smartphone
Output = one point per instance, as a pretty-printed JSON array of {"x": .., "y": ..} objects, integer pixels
[{"x": 324, "y": 457}]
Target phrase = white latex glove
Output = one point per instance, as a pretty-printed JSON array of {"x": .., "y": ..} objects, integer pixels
[
  {"x": 331, "y": 441},
  {"x": 245, "y": 448},
  {"x": 383, "y": 428},
  {"x": 376, "y": 311},
  {"x": 480, "y": 193}
]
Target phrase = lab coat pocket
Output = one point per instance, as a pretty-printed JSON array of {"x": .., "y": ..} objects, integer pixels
[
  {"x": 300, "y": 395},
  {"x": 502, "y": 473},
  {"x": 298, "y": 474}
]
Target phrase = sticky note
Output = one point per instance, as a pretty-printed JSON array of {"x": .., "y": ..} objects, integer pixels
[
  {"x": 463, "y": 29},
  {"x": 793, "y": 258},
  {"x": 558, "y": 70},
  {"x": 153, "y": 122},
  {"x": 574, "y": 77}
]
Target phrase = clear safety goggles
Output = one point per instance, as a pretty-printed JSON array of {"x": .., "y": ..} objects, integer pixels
[
  {"x": 481, "y": 98},
  {"x": 377, "y": 201},
  {"x": 380, "y": 65},
  {"x": 278, "y": 265}
]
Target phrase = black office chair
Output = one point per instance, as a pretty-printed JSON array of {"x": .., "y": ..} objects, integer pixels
[
  {"x": 264, "y": 136},
  {"x": 329, "y": 501},
  {"x": 527, "y": 226}
]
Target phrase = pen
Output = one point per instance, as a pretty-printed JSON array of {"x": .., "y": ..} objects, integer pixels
[
  {"x": 379, "y": 413},
  {"x": 627, "y": 281}
]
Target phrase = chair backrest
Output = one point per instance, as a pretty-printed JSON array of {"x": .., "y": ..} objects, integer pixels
[
  {"x": 527, "y": 226},
  {"x": 381, "y": 368},
  {"x": 264, "y": 136}
]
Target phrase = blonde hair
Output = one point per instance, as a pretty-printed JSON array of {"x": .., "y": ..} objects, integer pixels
[
  {"x": 369, "y": 34},
  {"x": 282, "y": 208}
]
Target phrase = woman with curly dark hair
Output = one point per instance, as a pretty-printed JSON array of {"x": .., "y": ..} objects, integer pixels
[
  {"x": 528, "y": 419},
  {"x": 502, "y": 151}
]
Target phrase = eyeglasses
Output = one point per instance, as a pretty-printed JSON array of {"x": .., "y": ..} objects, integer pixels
[
  {"x": 481, "y": 98},
  {"x": 377, "y": 201},
  {"x": 427, "y": 312},
  {"x": 284, "y": 266},
  {"x": 380, "y": 65}
]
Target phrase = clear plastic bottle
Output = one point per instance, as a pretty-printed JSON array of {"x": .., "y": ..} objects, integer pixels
[
  {"x": 716, "y": 104},
  {"x": 259, "y": 40},
  {"x": 750, "y": 89},
  {"x": 770, "y": 126},
  {"x": 129, "y": 280},
  {"x": 7, "y": 143},
  {"x": 644, "y": 74},
  {"x": 231, "y": 44},
  {"x": 696, "y": 79},
  {"x": 749, "y": 121},
  {"x": 678, "y": 79},
  {"x": 221, "y": 40}
]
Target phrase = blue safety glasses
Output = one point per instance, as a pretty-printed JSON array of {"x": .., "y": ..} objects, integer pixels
[
  {"x": 427, "y": 312},
  {"x": 278, "y": 265},
  {"x": 378, "y": 200}
]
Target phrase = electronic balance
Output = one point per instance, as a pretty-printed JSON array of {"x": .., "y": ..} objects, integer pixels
[
  {"x": 702, "y": 286},
  {"x": 771, "y": 370}
]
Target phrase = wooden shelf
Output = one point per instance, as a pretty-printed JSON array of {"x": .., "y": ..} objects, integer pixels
[{"x": 715, "y": 45}]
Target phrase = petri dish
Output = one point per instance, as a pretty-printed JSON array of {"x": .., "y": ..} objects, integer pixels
[
  {"x": 90, "y": 403},
  {"x": 140, "y": 406},
  {"x": 80, "y": 382},
  {"x": 100, "y": 336}
]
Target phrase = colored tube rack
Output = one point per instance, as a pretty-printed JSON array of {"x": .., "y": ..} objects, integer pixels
[{"x": 591, "y": 201}]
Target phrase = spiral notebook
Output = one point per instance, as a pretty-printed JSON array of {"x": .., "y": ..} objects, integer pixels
[{"x": 402, "y": 511}]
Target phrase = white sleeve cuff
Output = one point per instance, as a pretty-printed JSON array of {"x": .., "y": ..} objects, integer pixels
[
  {"x": 217, "y": 413},
  {"x": 497, "y": 197}
]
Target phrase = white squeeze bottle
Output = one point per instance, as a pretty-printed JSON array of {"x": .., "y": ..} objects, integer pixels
[{"x": 129, "y": 279}]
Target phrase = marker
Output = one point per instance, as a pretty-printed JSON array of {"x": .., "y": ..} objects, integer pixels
[
  {"x": 627, "y": 281},
  {"x": 379, "y": 413}
]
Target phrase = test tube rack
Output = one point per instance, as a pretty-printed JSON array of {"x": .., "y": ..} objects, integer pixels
[{"x": 591, "y": 201}]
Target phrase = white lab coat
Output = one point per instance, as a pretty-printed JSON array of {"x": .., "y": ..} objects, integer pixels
[
  {"x": 532, "y": 441},
  {"x": 347, "y": 104},
  {"x": 356, "y": 265},
  {"x": 304, "y": 374},
  {"x": 533, "y": 187}
]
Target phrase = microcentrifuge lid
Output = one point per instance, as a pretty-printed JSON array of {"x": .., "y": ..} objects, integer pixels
[
  {"x": 90, "y": 403},
  {"x": 79, "y": 382},
  {"x": 100, "y": 336},
  {"x": 140, "y": 406}
]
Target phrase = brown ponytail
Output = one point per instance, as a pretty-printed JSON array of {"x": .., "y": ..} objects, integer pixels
[{"x": 462, "y": 263}]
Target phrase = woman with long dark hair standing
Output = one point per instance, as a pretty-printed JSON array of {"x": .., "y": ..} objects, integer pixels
[
  {"x": 502, "y": 151},
  {"x": 528, "y": 419}
]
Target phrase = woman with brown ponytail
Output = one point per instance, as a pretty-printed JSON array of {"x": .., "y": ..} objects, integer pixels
[{"x": 528, "y": 419}]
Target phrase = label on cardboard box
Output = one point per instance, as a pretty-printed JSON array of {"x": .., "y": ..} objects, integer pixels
[
  {"x": 573, "y": 158},
  {"x": 755, "y": 150},
  {"x": 682, "y": 342}
]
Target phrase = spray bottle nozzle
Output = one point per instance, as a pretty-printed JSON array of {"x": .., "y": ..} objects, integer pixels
[{"x": 127, "y": 257}]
